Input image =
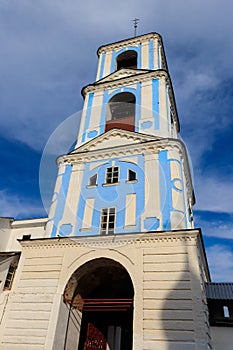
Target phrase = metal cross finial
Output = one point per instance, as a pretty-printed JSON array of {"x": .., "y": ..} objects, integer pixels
[{"x": 135, "y": 21}]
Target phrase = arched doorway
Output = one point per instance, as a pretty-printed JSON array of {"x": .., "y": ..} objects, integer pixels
[
  {"x": 101, "y": 292},
  {"x": 121, "y": 112}
]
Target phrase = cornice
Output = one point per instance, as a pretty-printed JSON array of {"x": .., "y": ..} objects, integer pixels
[
  {"x": 115, "y": 240},
  {"x": 142, "y": 147},
  {"x": 130, "y": 41},
  {"x": 129, "y": 80},
  {"x": 123, "y": 134},
  {"x": 121, "y": 74},
  {"x": 90, "y": 153},
  {"x": 40, "y": 222}
]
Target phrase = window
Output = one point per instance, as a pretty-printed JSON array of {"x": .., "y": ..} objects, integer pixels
[
  {"x": 122, "y": 105},
  {"x": 107, "y": 221},
  {"x": 93, "y": 180},
  {"x": 112, "y": 175},
  {"x": 121, "y": 112},
  {"x": 10, "y": 277},
  {"x": 131, "y": 175},
  {"x": 226, "y": 312},
  {"x": 127, "y": 59}
]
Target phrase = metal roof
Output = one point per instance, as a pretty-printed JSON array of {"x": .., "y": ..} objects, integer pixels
[{"x": 220, "y": 291}]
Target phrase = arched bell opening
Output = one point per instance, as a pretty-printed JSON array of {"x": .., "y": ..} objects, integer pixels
[
  {"x": 121, "y": 112},
  {"x": 127, "y": 59},
  {"x": 101, "y": 294}
]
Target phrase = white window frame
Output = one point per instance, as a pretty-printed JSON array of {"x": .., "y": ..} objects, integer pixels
[
  {"x": 106, "y": 213},
  {"x": 109, "y": 180}
]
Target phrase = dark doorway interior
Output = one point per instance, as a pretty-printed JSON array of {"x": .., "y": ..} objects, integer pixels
[{"x": 104, "y": 295}]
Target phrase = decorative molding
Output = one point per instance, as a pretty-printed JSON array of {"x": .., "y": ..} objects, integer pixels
[
  {"x": 142, "y": 144},
  {"x": 129, "y": 80},
  {"x": 115, "y": 240},
  {"x": 121, "y": 74},
  {"x": 129, "y": 42}
]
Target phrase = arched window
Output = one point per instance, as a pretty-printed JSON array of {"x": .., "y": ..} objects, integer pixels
[
  {"x": 121, "y": 112},
  {"x": 127, "y": 59}
]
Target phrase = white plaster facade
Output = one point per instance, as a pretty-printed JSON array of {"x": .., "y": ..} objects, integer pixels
[{"x": 167, "y": 272}]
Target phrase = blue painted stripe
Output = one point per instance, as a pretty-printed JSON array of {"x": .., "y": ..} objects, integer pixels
[
  {"x": 61, "y": 199},
  {"x": 165, "y": 189},
  {"x": 102, "y": 65},
  {"x": 151, "y": 54},
  {"x": 139, "y": 63},
  {"x": 185, "y": 204},
  {"x": 155, "y": 103},
  {"x": 88, "y": 115}
]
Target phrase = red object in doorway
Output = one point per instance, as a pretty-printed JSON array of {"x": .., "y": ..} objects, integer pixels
[{"x": 95, "y": 339}]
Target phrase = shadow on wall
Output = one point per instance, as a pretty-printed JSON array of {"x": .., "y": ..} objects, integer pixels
[{"x": 176, "y": 316}]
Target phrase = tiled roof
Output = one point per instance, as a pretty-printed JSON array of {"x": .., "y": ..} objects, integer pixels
[{"x": 219, "y": 291}]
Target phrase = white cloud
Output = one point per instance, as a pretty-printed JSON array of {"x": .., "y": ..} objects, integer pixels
[
  {"x": 14, "y": 206},
  {"x": 213, "y": 194},
  {"x": 220, "y": 259},
  {"x": 218, "y": 228}
]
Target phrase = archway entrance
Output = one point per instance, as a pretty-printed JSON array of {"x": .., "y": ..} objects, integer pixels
[{"x": 101, "y": 291}]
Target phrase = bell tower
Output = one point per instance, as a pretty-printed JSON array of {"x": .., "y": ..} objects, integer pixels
[
  {"x": 129, "y": 171},
  {"x": 122, "y": 266}
]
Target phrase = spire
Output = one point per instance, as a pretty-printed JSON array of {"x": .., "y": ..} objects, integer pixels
[{"x": 135, "y": 21}]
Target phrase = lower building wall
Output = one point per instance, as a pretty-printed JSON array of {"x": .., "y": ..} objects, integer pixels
[
  {"x": 222, "y": 338},
  {"x": 166, "y": 271}
]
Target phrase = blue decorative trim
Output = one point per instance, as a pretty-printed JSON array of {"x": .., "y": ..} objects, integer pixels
[
  {"x": 184, "y": 201},
  {"x": 88, "y": 115},
  {"x": 66, "y": 229},
  {"x": 176, "y": 186},
  {"x": 102, "y": 65},
  {"x": 155, "y": 103},
  {"x": 112, "y": 195},
  {"x": 92, "y": 134},
  {"x": 151, "y": 224},
  {"x": 139, "y": 60},
  {"x": 165, "y": 189},
  {"x": 61, "y": 198},
  {"x": 146, "y": 125},
  {"x": 151, "y": 54}
]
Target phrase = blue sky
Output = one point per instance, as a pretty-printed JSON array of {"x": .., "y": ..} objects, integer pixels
[{"x": 48, "y": 53}]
